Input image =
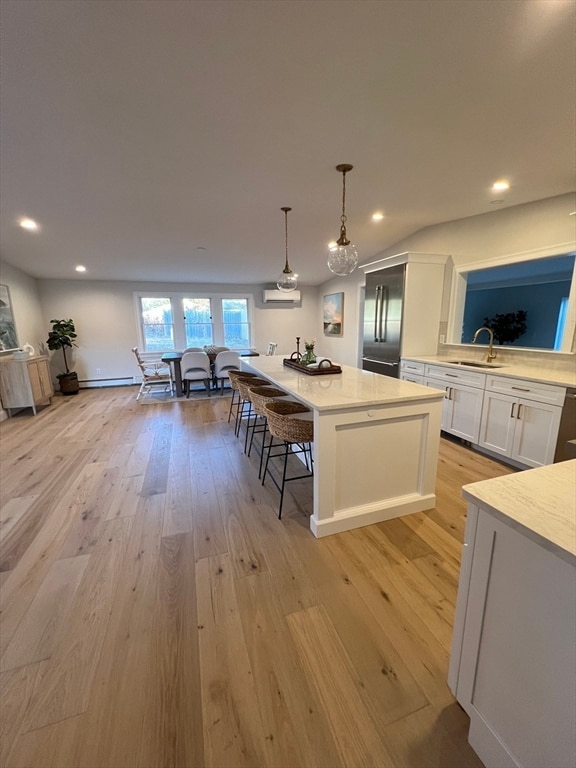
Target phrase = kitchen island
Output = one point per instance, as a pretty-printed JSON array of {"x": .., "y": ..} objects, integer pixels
[
  {"x": 513, "y": 660},
  {"x": 376, "y": 443}
]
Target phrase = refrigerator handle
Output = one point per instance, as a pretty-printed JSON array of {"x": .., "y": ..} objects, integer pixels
[{"x": 381, "y": 298}]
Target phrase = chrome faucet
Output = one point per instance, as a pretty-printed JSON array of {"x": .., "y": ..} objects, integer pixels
[{"x": 491, "y": 354}]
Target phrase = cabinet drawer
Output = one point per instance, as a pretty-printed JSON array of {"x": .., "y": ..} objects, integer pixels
[
  {"x": 412, "y": 367},
  {"x": 456, "y": 375},
  {"x": 526, "y": 389},
  {"x": 414, "y": 378}
]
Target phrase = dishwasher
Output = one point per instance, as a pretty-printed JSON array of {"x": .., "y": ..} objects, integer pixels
[{"x": 567, "y": 429}]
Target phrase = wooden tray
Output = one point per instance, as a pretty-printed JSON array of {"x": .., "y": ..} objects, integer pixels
[{"x": 320, "y": 371}]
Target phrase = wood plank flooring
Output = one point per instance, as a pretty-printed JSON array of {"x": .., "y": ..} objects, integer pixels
[{"x": 155, "y": 613}]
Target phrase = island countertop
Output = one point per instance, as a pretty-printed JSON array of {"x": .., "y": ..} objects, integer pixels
[
  {"x": 352, "y": 388},
  {"x": 539, "y": 502}
]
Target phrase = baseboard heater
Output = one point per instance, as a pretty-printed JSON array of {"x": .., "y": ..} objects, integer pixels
[{"x": 123, "y": 381}]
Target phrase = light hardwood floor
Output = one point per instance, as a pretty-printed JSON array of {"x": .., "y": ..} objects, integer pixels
[{"x": 157, "y": 614}]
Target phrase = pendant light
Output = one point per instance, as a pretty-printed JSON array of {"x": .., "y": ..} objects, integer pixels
[
  {"x": 343, "y": 256},
  {"x": 287, "y": 281}
]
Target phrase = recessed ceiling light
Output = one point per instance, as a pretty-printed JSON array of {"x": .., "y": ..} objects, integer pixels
[
  {"x": 28, "y": 224},
  {"x": 200, "y": 248},
  {"x": 501, "y": 186},
  {"x": 496, "y": 202},
  {"x": 377, "y": 216},
  {"x": 80, "y": 268},
  {"x": 572, "y": 214}
]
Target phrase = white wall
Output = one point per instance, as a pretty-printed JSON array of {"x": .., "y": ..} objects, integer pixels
[
  {"x": 25, "y": 297},
  {"x": 106, "y": 323}
]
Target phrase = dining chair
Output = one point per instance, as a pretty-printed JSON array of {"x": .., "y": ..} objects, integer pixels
[
  {"x": 154, "y": 373},
  {"x": 224, "y": 363},
  {"x": 196, "y": 367}
]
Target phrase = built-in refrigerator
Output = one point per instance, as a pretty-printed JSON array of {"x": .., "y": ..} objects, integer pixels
[
  {"x": 383, "y": 320},
  {"x": 402, "y": 310}
]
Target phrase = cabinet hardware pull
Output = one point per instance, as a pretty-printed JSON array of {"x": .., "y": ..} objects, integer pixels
[
  {"x": 452, "y": 375},
  {"x": 519, "y": 411},
  {"x": 521, "y": 389},
  {"x": 512, "y": 411}
]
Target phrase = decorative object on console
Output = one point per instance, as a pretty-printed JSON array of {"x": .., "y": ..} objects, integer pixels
[
  {"x": 287, "y": 281},
  {"x": 343, "y": 256},
  {"x": 333, "y": 314},
  {"x": 507, "y": 327},
  {"x": 62, "y": 336}
]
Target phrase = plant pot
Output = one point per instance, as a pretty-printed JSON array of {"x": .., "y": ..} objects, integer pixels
[{"x": 69, "y": 383}]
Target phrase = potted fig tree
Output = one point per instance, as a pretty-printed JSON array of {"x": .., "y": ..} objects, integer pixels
[{"x": 62, "y": 337}]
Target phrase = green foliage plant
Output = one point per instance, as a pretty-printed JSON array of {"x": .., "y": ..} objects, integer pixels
[
  {"x": 507, "y": 327},
  {"x": 62, "y": 337}
]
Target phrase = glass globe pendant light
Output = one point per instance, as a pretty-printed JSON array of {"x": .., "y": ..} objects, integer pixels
[
  {"x": 343, "y": 256},
  {"x": 287, "y": 281}
]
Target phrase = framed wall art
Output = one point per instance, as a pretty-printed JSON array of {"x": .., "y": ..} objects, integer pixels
[
  {"x": 8, "y": 337},
  {"x": 333, "y": 314}
]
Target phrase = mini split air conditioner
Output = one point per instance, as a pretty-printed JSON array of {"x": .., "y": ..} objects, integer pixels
[{"x": 278, "y": 297}]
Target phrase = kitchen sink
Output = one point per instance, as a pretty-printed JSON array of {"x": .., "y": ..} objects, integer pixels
[{"x": 473, "y": 365}]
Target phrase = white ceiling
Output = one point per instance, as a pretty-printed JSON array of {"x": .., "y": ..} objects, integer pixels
[{"x": 136, "y": 132}]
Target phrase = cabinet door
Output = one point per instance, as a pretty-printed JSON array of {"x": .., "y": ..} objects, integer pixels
[
  {"x": 465, "y": 412},
  {"x": 446, "y": 403},
  {"x": 35, "y": 382},
  {"x": 535, "y": 433},
  {"x": 498, "y": 422},
  {"x": 517, "y": 664},
  {"x": 45, "y": 378}
]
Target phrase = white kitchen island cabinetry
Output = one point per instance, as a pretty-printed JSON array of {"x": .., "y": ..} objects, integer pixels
[
  {"x": 376, "y": 442},
  {"x": 513, "y": 660},
  {"x": 520, "y": 420}
]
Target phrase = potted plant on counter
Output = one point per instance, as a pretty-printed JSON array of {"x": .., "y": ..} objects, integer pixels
[{"x": 62, "y": 337}]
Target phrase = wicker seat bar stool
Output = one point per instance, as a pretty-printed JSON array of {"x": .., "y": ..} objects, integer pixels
[
  {"x": 235, "y": 400},
  {"x": 297, "y": 435},
  {"x": 260, "y": 396},
  {"x": 244, "y": 412}
]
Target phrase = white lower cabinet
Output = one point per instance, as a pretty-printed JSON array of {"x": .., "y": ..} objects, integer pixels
[
  {"x": 462, "y": 407},
  {"x": 517, "y": 419},
  {"x": 519, "y": 428},
  {"x": 513, "y": 665},
  {"x": 461, "y": 411}
]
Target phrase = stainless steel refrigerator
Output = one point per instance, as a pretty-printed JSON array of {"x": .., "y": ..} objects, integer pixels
[{"x": 383, "y": 320}]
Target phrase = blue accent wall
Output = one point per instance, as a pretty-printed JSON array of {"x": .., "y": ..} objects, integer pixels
[{"x": 541, "y": 301}]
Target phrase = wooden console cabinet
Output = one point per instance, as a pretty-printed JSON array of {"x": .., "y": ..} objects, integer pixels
[{"x": 25, "y": 383}]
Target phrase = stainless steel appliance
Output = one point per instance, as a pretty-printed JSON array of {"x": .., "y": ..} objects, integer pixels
[
  {"x": 383, "y": 320},
  {"x": 567, "y": 430}
]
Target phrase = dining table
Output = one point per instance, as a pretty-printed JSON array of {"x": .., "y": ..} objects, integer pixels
[{"x": 174, "y": 359}]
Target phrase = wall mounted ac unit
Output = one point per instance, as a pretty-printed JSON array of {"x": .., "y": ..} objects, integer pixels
[{"x": 278, "y": 297}]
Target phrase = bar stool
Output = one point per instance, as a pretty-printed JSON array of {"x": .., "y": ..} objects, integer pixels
[
  {"x": 243, "y": 387},
  {"x": 284, "y": 425},
  {"x": 260, "y": 396},
  {"x": 233, "y": 376}
]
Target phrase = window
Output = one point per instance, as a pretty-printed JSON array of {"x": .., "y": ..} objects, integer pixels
[
  {"x": 198, "y": 322},
  {"x": 177, "y": 321},
  {"x": 235, "y": 323},
  {"x": 157, "y": 323}
]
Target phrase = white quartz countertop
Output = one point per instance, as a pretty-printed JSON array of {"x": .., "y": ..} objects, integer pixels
[
  {"x": 352, "y": 388},
  {"x": 522, "y": 371},
  {"x": 539, "y": 502}
]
